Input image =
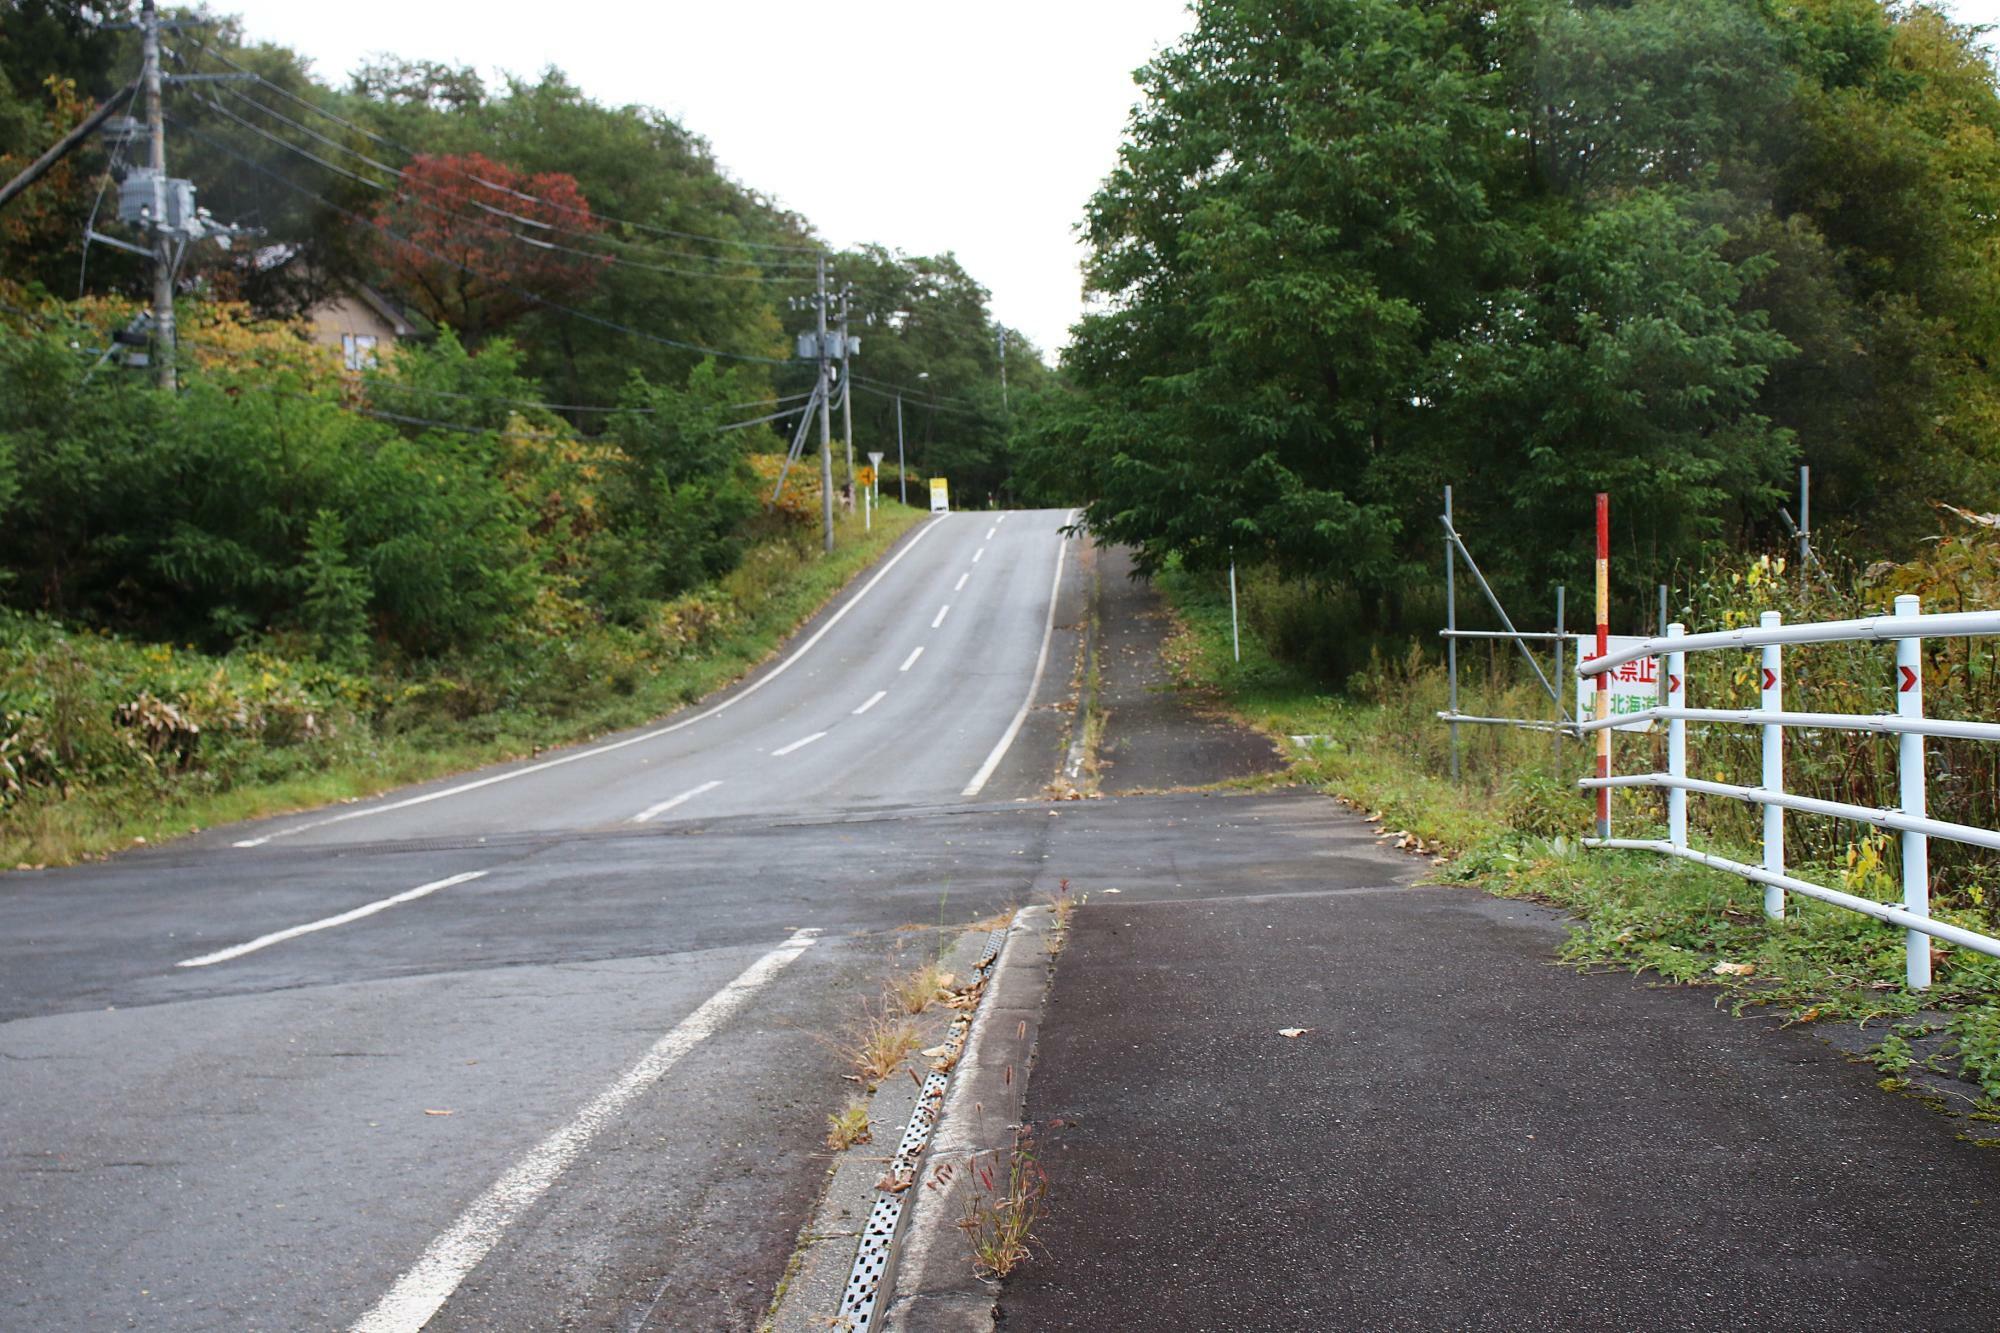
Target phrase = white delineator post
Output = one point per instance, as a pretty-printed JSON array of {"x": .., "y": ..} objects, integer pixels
[
  {"x": 1235, "y": 639},
  {"x": 1910, "y": 785},
  {"x": 1773, "y": 700},
  {"x": 1677, "y": 748}
]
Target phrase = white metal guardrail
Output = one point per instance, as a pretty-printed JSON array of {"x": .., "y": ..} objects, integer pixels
[{"x": 1907, "y": 628}]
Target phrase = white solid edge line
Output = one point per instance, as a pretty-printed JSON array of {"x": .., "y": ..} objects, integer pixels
[
  {"x": 960, "y": 585},
  {"x": 940, "y": 615},
  {"x": 979, "y": 779},
  {"x": 976, "y": 554},
  {"x": 327, "y": 923},
  {"x": 422, "y": 1291},
  {"x": 655, "y": 734},
  {"x": 911, "y": 660},
  {"x": 873, "y": 699},
  {"x": 784, "y": 750},
  {"x": 654, "y": 810}
]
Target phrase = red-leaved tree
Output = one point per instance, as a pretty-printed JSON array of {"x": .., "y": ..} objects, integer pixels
[{"x": 473, "y": 243}]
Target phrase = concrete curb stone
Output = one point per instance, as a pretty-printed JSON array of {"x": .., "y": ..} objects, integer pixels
[
  {"x": 820, "y": 1265},
  {"x": 935, "y": 1289}
]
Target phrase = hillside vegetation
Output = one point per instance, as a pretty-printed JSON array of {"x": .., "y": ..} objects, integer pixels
[
  {"x": 313, "y": 571},
  {"x": 1356, "y": 250}
]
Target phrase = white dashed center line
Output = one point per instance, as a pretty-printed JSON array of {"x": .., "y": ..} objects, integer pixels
[
  {"x": 784, "y": 750},
  {"x": 327, "y": 923},
  {"x": 652, "y": 811},
  {"x": 976, "y": 554},
  {"x": 873, "y": 699},
  {"x": 911, "y": 660},
  {"x": 960, "y": 585},
  {"x": 941, "y": 615},
  {"x": 990, "y": 531}
]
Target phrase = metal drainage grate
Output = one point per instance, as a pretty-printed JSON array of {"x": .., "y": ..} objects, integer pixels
[{"x": 860, "y": 1302}]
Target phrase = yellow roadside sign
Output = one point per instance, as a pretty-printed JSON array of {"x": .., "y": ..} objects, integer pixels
[
  {"x": 867, "y": 475},
  {"x": 940, "y": 495}
]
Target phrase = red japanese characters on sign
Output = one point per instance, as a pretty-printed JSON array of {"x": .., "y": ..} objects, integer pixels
[{"x": 1635, "y": 685}]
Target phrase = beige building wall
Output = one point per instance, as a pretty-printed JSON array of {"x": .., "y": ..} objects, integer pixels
[{"x": 354, "y": 326}]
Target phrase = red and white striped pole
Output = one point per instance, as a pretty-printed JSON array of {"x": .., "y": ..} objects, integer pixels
[{"x": 1603, "y": 648}]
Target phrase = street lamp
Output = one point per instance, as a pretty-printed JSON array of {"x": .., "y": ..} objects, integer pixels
[
  {"x": 902, "y": 472},
  {"x": 930, "y": 420}
]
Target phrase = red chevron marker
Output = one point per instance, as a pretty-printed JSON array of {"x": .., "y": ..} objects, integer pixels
[
  {"x": 1770, "y": 679},
  {"x": 1673, "y": 683},
  {"x": 1909, "y": 678}
]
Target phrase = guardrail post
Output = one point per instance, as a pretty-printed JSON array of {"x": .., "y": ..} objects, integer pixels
[
  {"x": 1773, "y": 684},
  {"x": 1562, "y": 681},
  {"x": 1677, "y": 748},
  {"x": 1451, "y": 623},
  {"x": 1910, "y": 784}
]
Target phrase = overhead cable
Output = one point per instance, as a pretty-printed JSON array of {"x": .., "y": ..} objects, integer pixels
[
  {"x": 617, "y": 260},
  {"x": 387, "y": 142},
  {"x": 522, "y": 292},
  {"x": 402, "y": 173}
]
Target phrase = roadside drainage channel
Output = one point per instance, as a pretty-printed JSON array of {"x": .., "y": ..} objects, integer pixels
[{"x": 870, "y": 1277}]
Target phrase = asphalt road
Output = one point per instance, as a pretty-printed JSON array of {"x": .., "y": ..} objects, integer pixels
[
  {"x": 543, "y": 1046},
  {"x": 1460, "y": 1134}
]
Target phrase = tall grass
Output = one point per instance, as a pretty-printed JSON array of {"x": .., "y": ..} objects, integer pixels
[{"x": 104, "y": 741}]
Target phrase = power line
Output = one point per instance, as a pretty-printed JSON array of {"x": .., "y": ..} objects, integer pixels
[
  {"x": 918, "y": 396},
  {"x": 394, "y": 386},
  {"x": 404, "y": 175},
  {"x": 387, "y": 142},
  {"x": 523, "y": 292},
  {"x": 504, "y": 232},
  {"x": 408, "y": 419}
]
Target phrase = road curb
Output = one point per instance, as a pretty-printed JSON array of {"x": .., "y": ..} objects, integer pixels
[
  {"x": 817, "y": 1279},
  {"x": 934, "y": 1286}
]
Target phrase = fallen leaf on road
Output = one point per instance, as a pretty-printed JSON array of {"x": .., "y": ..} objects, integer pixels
[
  {"x": 1293, "y": 1032},
  {"x": 428, "y": 1111},
  {"x": 1733, "y": 969}
]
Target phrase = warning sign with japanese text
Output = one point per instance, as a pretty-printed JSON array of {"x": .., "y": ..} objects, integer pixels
[{"x": 1635, "y": 685}]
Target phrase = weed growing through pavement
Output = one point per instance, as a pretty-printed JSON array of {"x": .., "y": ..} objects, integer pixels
[
  {"x": 1063, "y": 903},
  {"x": 848, "y": 1126},
  {"x": 879, "y": 1040},
  {"x": 916, "y": 991},
  {"x": 1002, "y": 1206},
  {"x": 1062, "y": 906}
]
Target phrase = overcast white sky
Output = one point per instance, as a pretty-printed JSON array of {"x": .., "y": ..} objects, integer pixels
[
  {"x": 980, "y": 129},
  {"x": 925, "y": 125}
]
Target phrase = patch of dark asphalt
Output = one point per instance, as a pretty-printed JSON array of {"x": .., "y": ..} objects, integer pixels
[
  {"x": 1156, "y": 736},
  {"x": 1464, "y": 1136}
]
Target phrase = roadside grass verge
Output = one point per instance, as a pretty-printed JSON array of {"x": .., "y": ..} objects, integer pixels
[
  {"x": 1512, "y": 826},
  {"x": 320, "y": 738}
]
